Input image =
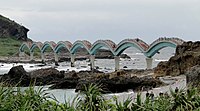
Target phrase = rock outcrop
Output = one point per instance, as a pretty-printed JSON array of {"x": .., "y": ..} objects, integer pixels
[
  {"x": 19, "y": 77},
  {"x": 193, "y": 76},
  {"x": 16, "y": 76},
  {"x": 122, "y": 83},
  {"x": 46, "y": 76},
  {"x": 187, "y": 55},
  {"x": 111, "y": 83},
  {"x": 9, "y": 28}
]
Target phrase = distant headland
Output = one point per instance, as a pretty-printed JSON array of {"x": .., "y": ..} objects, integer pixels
[{"x": 9, "y": 28}]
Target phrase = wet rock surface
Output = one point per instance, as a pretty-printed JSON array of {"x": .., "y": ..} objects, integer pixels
[
  {"x": 18, "y": 76},
  {"x": 46, "y": 76},
  {"x": 119, "y": 81},
  {"x": 187, "y": 55},
  {"x": 111, "y": 83}
]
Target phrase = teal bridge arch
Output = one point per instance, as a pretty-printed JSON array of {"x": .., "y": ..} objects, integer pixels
[{"x": 148, "y": 50}]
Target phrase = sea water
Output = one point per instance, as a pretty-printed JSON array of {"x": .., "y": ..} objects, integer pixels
[{"x": 137, "y": 61}]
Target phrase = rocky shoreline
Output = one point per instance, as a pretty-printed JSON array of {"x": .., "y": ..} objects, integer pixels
[
  {"x": 184, "y": 62},
  {"x": 119, "y": 81}
]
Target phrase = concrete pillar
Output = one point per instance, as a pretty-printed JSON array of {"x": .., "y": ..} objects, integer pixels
[
  {"x": 42, "y": 56},
  {"x": 117, "y": 58},
  {"x": 92, "y": 57},
  {"x": 149, "y": 62},
  {"x": 21, "y": 54},
  {"x": 31, "y": 55},
  {"x": 72, "y": 60},
  {"x": 56, "y": 59}
]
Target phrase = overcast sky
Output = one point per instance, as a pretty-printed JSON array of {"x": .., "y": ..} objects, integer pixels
[{"x": 105, "y": 19}]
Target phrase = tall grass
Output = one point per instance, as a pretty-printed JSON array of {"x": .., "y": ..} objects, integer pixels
[
  {"x": 9, "y": 46},
  {"x": 14, "y": 99},
  {"x": 91, "y": 99}
]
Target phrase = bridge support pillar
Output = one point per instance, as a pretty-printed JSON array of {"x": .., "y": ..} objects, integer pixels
[
  {"x": 31, "y": 56},
  {"x": 149, "y": 62},
  {"x": 117, "y": 58},
  {"x": 92, "y": 58},
  {"x": 21, "y": 54},
  {"x": 72, "y": 60},
  {"x": 42, "y": 56},
  {"x": 56, "y": 59}
]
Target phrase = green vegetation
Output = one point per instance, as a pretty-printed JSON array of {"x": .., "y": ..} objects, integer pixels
[
  {"x": 91, "y": 99},
  {"x": 9, "y": 46}
]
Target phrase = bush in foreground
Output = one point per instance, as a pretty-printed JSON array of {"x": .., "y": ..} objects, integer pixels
[{"x": 91, "y": 99}]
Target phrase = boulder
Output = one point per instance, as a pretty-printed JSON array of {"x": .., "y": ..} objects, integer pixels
[
  {"x": 46, "y": 76},
  {"x": 193, "y": 76},
  {"x": 121, "y": 83},
  {"x": 69, "y": 83},
  {"x": 16, "y": 76},
  {"x": 187, "y": 55},
  {"x": 125, "y": 67},
  {"x": 72, "y": 79},
  {"x": 125, "y": 56}
]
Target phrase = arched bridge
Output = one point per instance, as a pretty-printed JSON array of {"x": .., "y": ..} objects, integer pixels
[{"x": 148, "y": 50}]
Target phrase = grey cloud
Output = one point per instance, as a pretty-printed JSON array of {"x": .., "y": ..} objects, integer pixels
[{"x": 106, "y": 19}]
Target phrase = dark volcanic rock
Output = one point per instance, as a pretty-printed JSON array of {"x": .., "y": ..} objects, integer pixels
[
  {"x": 120, "y": 84},
  {"x": 125, "y": 56},
  {"x": 9, "y": 28},
  {"x": 73, "y": 78},
  {"x": 187, "y": 55},
  {"x": 193, "y": 76},
  {"x": 113, "y": 82},
  {"x": 120, "y": 81},
  {"x": 16, "y": 76},
  {"x": 69, "y": 83},
  {"x": 46, "y": 76},
  {"x": 104, "y": 54}
]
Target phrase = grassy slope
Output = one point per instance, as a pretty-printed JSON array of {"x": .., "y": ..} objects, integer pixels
[{"x": 9, "y": 46}]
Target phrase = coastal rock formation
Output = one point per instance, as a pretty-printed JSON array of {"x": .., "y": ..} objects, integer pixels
[
  {"x": 113, "y": 82},
  {"x": 122, "y": 83},
  {"x": 193, "y": 76},
  {"x": 16, "y": 76},
  {"x": 187, "y": 55},
  {"x": 46, "y": 76},
  {"x": 9, "y": 28},
  {"x": 119, "y": 81},
  {"x": 125, "y": 56}
]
